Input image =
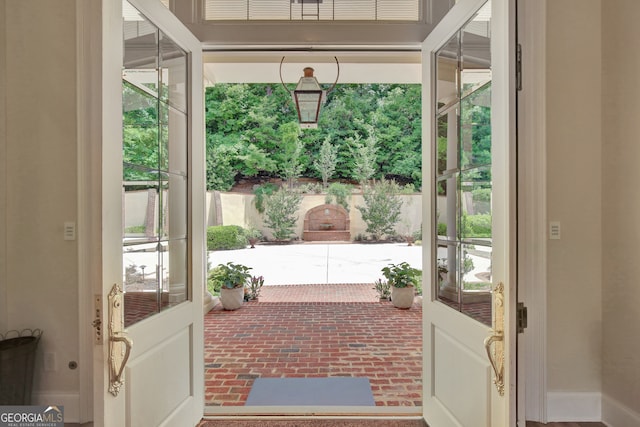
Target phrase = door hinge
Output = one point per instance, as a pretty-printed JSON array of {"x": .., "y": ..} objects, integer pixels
[
  {"x": 522, "y": 317},
  {"x": 519, "y": 67}
]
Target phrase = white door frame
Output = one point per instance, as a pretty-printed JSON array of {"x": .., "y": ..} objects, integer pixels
[
  {"x": 532, "y": 274},
  {"x": 99, "y": 74},
  {"x": 532, "y": 213},
  {"x": 502, "y": 411}
]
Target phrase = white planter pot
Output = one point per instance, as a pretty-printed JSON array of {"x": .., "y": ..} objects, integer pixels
[
  {"x": 402, "y": 297},
  {"x": 232, "y": 299}
]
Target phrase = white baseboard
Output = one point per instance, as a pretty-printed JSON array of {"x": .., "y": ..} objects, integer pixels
[
  {"x": 70, "y": 401},
  {"x": 615, "y": 414},
  {"x": 577, "y": 407}
]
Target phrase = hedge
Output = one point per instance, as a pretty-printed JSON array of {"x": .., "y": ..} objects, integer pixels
[{"x": 224, "y": 237}]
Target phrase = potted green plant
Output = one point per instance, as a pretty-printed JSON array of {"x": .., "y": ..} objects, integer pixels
[
  {"x": 403, "y": 280},
  {"x": 253, "y": 236},
  {"x": 383, "y": 289},
  {"x": 252, "y": 289},
  {"x": 231, "y": 278}
]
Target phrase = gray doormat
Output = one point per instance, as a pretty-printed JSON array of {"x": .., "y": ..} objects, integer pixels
[{"x": 332, "y": 391}]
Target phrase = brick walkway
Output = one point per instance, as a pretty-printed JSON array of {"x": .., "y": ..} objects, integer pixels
[{"x": 315, "y": 331}]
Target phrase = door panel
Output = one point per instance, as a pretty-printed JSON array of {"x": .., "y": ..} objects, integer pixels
[
  {"x": 468, "y": 118},
  {"x": 168, "y": 358},
  {"x": 153, "y": 224},
  {"x": 455, "y": 363}
]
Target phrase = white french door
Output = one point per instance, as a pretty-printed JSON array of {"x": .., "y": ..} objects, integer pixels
[
  {"x": 148, "y": 369},
  {"x": 469, "y": 121}
]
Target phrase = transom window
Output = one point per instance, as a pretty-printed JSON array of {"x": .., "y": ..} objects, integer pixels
[{"x": 319, "y": 10}]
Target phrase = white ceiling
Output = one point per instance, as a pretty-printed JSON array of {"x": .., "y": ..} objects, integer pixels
[{"x": 354, "y": 67}]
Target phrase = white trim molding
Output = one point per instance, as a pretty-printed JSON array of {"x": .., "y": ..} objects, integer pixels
[
  {"x": 532, "y": 212},
  {"x": 70, "y": 402},
  {"x": 615, "y": 414},
  {"x": 574, "y": 406}
]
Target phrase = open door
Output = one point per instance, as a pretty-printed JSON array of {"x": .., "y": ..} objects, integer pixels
[
  {"x": 148, "y": 357},
  {"x": 469, "y": 121}
]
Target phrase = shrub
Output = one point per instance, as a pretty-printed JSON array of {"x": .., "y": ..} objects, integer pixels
[
  {"x": 311, "y": 188},
  {"x": 135, "y": 229},
  {"x": 261, "y": 192},
  {"x": 381, "y": 211},
  {"x": 442, "y": 229},
  {"x": 213, "y": 284},
  {"x": 327, "y": 160},
  {"x": 225, "y": 237},
  {"x": 280, "y": 212},
  {"x": 339, "y": 192},
  {"x": 476, "y": 225},
  {"x": 221, "y": 172},
  {"x": 417, "y": 235},
  {"x": 482, "y": 195},
  {"x": 408, "y": 189}
]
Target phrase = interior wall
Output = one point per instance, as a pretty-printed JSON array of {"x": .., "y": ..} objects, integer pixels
[
  {"x": 3, "y": 175},
  {"x": 573, "y": 160},
  {"x": 621, "y": 204},
  {"x": 39, "y": 276}
]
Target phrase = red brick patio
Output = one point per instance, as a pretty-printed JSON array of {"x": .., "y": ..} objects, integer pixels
[{"x": 315, "y": 331}]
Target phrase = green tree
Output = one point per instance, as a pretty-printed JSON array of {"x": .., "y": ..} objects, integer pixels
[
  {"x": 398, "y": 123},
  {"x": 382, "y": 206},
  {"x": 220, "y": 170},
  {"x": 340, "y": 192},
  {"x": 290, "y": 162},
  {"x": 141, "y": 148},
  {"x": 249, "y": 117},
  {"x": 280, "y": 212},
  {"x": 326, "y": 161},
  {"x": 364, "y": 156}
]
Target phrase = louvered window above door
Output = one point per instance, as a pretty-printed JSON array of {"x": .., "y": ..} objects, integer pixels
[{"x": 321, "y": 10}]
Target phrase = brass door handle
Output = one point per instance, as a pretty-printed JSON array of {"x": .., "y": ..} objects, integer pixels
[
  {"x": 117, "y": 360},
  {"x": 128, "y": 344},
  {"x": 497, "y": 365},
  {"x": 496, "y": 357}
]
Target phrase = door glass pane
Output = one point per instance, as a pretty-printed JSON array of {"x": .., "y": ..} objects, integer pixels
[
  {"x": 447, "y": 73},
  {"x": 462, "y": 147},
  {"x": 447, "y": 278},
  {"x": 475, "y": 49},
  {"x": 155, "y": 179},
  {"x": 447, "y": 140},
  {"x": 141, "y": 205},
  {"x": 174, "y": 268},
  {"x": 475, "y": 191},
  {"x": 140, "y": 264},
  {"x": 173, "y": 140},
  {"x": 140, "y": 39},
  {"x": 476, "y": 282},
  {"x": 173, "y": 74},
  {"x": 447, "y": 208},
  {"x": 140, "y": 139},
  {"x": 174, "y": 207},
  {"x": 475, "y": 128}
]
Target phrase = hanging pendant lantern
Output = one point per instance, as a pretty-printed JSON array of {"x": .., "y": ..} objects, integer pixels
[{"x": 309, "y": 96}]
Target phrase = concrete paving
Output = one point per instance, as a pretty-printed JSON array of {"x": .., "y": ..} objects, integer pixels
[{"x": 316, "y": 263}]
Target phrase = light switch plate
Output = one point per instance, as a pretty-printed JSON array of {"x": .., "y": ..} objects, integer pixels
[
  {"x": 554, "y": 230},
  {"x": 69, "y": 231}
]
